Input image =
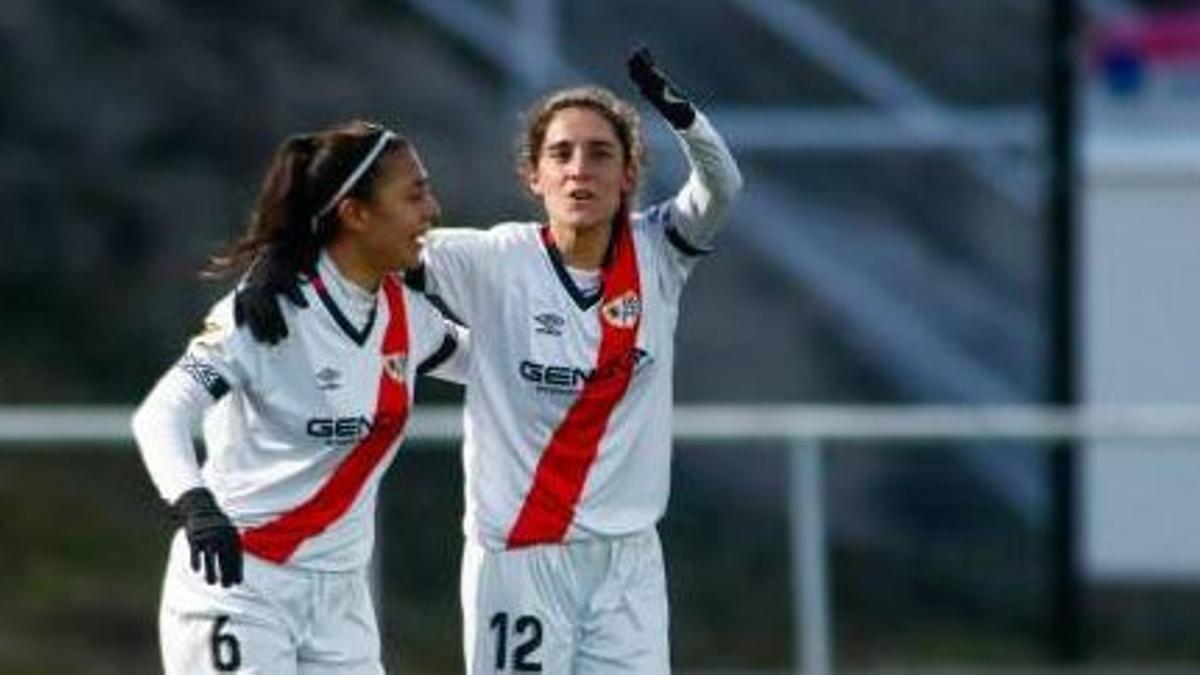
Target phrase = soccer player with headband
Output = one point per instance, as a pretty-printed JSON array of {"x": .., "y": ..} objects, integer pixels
[{"x": 304, "y": 405}]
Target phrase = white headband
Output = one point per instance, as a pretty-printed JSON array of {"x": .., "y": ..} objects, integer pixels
[{"x": 354, "y": 176}]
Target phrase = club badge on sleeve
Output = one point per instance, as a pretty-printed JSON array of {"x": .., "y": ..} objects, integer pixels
[{"x": 211, "y": 334}]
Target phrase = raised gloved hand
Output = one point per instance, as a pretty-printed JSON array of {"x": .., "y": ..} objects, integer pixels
[
  {"x": 212, "y": 537},
  {"x": 659, "y": 90},
  {"x": 256, "y": 302}
]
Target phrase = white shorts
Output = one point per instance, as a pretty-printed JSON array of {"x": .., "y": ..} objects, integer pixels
[
  {"x": 567, "y": 609},
  {"x": 278, "y": 621}
]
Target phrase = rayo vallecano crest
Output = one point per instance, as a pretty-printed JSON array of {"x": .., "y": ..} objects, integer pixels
[
  {"x": 622, "y": 311},
  {"x": 395, "y": 366}
]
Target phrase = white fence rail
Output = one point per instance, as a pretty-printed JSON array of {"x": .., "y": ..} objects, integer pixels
[
  {"x": 805, "y": 428},
  {"x": 724, "y": 423}
]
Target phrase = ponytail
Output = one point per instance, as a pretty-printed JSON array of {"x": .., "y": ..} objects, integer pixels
[
  {"x": 295, "y": 213},
  {"x": 273, "y": 234}
]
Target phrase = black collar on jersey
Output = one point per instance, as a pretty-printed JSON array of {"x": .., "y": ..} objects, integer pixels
[
  {"x": 584, "y": 301},
  {"x": 358, "y": 336}
]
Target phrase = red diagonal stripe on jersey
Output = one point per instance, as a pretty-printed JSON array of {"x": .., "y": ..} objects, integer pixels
[
  {"x": 278, "y": 539},
  {"x": 549, "y": 506}
]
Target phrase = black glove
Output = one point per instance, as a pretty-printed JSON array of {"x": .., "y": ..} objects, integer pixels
[
  {"x": 256, "y": 303},
  {"x": 212, "y": 537},
  {"x": 659, "y": 90}
]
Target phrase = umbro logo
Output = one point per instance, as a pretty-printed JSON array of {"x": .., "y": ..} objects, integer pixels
[
  {"x": 328, "y": 378},
  {"x": 548, "y": 323}
]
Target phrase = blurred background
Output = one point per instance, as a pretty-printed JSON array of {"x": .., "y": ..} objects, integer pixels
[{"x": 950, "y": 202}]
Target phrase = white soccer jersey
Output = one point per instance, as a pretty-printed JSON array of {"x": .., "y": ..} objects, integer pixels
[
  {"x": 569, "y": 396},
  {"x": 302, "y": 431}
]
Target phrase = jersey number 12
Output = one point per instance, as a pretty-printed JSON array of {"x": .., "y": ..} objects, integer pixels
[{"x": 527, "y": 627}]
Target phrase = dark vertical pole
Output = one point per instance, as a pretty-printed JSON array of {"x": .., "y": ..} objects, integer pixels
[{"x": 1066, "y": 601}]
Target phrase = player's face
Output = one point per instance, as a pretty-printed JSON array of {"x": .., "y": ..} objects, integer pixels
[
  {"x": 399, "y": 213},
  {"x": 581, "y": 172}
]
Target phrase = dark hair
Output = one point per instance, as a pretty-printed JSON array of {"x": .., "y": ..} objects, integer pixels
[
  {"x": 623, "y": 117},
  {"x": 295, "y": 213}
]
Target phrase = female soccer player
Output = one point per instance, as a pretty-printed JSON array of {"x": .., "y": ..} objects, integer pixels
[
  {"x": 304, "y": 404},
  {"x": 567, "y": 447}
]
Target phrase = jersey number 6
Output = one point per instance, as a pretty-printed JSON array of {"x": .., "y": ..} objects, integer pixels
[{"x": 226, "y": 652}]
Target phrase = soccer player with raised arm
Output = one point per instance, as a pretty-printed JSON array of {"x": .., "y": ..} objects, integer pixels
[
  {"x": 567, "y": 448},
  {"x": 304, "y": 378}
]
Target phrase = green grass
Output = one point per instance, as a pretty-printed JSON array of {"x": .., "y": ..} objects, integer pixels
[
  {"x": 85, "y": 539},
  {"x": 80, "y": 594}
]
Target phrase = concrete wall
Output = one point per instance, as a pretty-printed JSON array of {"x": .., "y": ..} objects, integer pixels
[{"x": 1140, "y": 344}]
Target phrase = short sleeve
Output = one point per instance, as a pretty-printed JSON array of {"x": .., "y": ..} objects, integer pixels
[
  {"x": 675, "y": 259},
  {"x": 440, "y": 344},
  {"x": 453, "y": 267},
  {"x": 216, "y": 356}
]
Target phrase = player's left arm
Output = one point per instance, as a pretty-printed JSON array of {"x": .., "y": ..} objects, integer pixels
[
  {"x": 162, "y": 427},
  {"x": 714, "y": 180}
]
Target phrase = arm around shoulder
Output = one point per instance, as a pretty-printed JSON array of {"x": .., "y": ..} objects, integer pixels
[{"x": 454, "y": 262}]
